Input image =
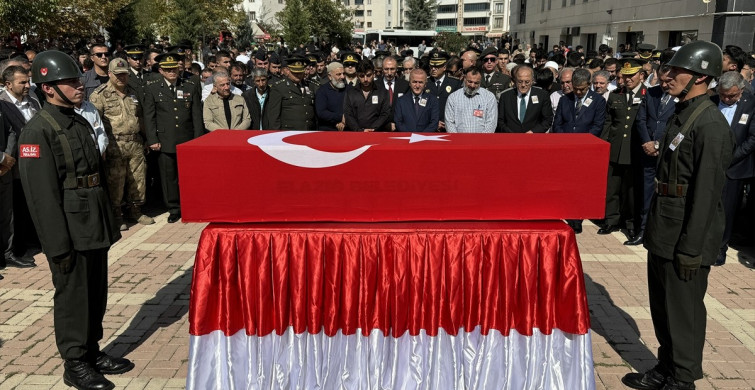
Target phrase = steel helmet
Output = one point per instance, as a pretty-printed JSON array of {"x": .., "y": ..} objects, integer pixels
[
  {"x": 701, "y": 57},
  {"x": 52, "y": 65}
]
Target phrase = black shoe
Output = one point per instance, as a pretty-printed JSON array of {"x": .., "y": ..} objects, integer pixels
[
  {"x": 673, "y": 384},
  {"x": 720, "y": 260},
  {"x": 173, "y": 218},
  {"x": 577, "y": 227},
  {"x": 1, "y": 277},
  {"x": 19, "y": 262},
  {"x": 650, "y": 380},
  {"x": 81, "y": 375},
  {"x": 608, "y": 229},
  {"x": 107, "y": 364},
  {"x": 636, "y": 240}
]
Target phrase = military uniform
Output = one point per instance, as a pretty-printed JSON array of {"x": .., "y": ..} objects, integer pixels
[
  {"x": 686, "y": 220},
  {"x": 62, "y": 175},
  {"x": 290, "y": 108},
  {"x": 171, "y": 118},
  {"x": 126, "y": 165},
  {"x": 498, "y": 83}
]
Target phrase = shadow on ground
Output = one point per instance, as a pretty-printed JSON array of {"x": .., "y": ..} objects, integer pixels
[
  {"x": 617, "y": 327},
  {"x": 169, "y": 305}
]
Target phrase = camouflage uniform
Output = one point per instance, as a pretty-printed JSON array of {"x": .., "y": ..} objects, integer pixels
[{"x": 126, "y": 165}]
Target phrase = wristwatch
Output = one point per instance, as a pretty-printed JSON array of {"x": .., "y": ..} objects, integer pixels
[{"x": 656, "y": 145}]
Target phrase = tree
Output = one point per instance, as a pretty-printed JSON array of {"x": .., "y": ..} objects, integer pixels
[
  {"x": 185, "y": 21},
  {"x": 28, "y": 17},
  {"x": 420, "y": 14},
  {"x": 331, "y": 21},
  {"x": 451, "y": 42},
  {"x": 124, "y": 26},
  {"x": 296, "y": 22}
]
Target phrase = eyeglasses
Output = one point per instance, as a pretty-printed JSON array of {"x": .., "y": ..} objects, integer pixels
[
  {"x": 100, "y": 54},
  {"x": 489, "y": 59}
]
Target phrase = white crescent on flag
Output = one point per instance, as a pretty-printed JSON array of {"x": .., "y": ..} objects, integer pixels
[{"x": 275, "y": 146}]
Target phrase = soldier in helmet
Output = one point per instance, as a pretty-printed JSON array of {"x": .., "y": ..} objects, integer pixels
[
  {"x": 686, "y": 219},
  {"x": 63, "y": 176}
]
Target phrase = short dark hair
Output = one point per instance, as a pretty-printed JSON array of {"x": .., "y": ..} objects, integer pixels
[
  {"x": 365, "y": 66},
  {"x": 91, "y": 50},
  {"x": 472, "y": 70},
  {"x": 737, "y": 55},
  {"x": 610, "y": 61},
  {"x": 543, "y": 78},
  {"x": 10, "y": 73}
]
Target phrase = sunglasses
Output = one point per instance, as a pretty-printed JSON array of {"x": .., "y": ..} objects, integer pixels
[
  {"x": 489, "y": 59},
  {"x": 100, "y": 55}
]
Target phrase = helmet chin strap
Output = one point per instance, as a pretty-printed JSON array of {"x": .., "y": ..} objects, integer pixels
[
  {"x": 62, "y": 95},
  {"x": 690, "y": 84}
]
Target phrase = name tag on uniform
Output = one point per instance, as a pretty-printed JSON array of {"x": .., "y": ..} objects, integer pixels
[
  {"x": 374, "y": 100},
  {"x": 477, "y": 113},
  {"x": 676, "y": 141},
  {"x": 743, "y": 119},
  {"x": 28, "y": 151},
  {"x": 535, "y": 100},
  {"x": 636, "y": 100},
  {"x": 422, "y": 102},
  {"x": 180, "y": 94},
  {"x": 588, "y": 101}
]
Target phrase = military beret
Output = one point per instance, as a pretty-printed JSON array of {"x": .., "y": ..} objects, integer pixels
[
  {"x": 260, "y": 55},
  {"x": 275, "y": 58},
  {"x": 490, "y": 50}
]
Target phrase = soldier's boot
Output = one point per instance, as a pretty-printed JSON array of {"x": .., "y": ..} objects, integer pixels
[
  {"x": 81, "y": 375},
  {"x": 119, "y": 219},
  {"x": 136, "y": 215}
]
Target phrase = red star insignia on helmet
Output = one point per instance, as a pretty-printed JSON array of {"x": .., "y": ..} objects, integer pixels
[{"x": 43, "y": 71}]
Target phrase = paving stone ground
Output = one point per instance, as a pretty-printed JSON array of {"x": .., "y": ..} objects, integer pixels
[{"x": 147, "y": 317}]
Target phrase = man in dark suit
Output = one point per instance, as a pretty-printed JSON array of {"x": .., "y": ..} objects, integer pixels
[
  {"x": 441, "y": 85},
  {"x": 172, "y": 116},
  {"x": 738, "y": 107},
  {"x": 256, "y": 99},
  {"x": 493, "y": 80},
  {"x": 417, "y": 111},
  {"x": 621, "y": 111},
  {"x": 526, "y": 108},
  {"x": 654, "y": 112},
  {"x": 395, "y": 86},
  {"x": 581, "y": 111}
]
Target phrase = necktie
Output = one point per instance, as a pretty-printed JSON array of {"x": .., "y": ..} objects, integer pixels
[
  {"x": 227, "y": 109},
  {"x": 579, "y": 105},
  {"x": 437, "y": 83},
  {"x": 487, "y": 79},
  {"x": 664, "y": 101},
  {"x": 522, "y": 108},
  {"x": 629, "y": 98},
  {"x": 416, "y": 106},
  {"x": 390, "y": 92},
  {"x": 173, "y": 90}
]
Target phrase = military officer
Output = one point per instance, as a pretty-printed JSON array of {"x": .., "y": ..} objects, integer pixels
[
  {"x": 291, "y": 105},
  {"x": 61, "y": 171},
  {"x": 493, "y": 80},
  {"x": 441, "y": 85},
  {"x": 136, "y": 79},
  {"x": 621, "y": 111},
  {"x": 686, "y": 219},
  {"x": 172, "y": 115},
  {"x": 121, "y": 113}
]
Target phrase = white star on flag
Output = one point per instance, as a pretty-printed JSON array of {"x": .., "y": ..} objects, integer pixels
[{"x": 419, "y": 138}]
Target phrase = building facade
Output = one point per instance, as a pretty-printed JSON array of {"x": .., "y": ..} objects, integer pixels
[{"x": 663, "y": 23}]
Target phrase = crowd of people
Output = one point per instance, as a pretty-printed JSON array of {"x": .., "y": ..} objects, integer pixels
[{"x": 134, "y": 104}]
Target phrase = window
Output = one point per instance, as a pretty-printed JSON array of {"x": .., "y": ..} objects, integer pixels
[
  {"x": 358, "y": 2},
  {"x": 498, "y": 23},
  {"x": 389, "y": 23},
  {"x": 481, "y": 7},
  {"x": 446, "y": 9},
  {"x": 359, "y": 13},
  {"x": 369, "y": 24},
  {"x": 345, "y": 2},
  {"x": 280, "y": 1},
  {"x": 253, "y": 15},
  {"x": 446, "y": 22},
  {"x": 476, "y": 21},
  {"x": 542, "y": 6},
  {"x": 369, "y": 2},
  {"x": 499, "y": 8},
  {"x": 573, "y": 2},
  {"x": 369, "y": 12},
  {"x": 523, "y": 11}
]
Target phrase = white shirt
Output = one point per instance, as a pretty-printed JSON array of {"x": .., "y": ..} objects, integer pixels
[
  {"x": 24, "y": 106},
  {"x": 555, "y": 98},
  {"x": 526, "y": 98},
  {"x": 89, "y": 112}
]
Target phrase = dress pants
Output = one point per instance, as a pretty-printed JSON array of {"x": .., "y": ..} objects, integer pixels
[
  {"x": 6, "y": 217},
  {"x": 169, "y": 177},
  {"x": 732, "y": 200},
  {"x": 620, "y": 196},
  {"x": 79, "y": 303},
  {"x": 679, "y": 318}
]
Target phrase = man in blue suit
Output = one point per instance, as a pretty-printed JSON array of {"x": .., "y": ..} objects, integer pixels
[
  {"x": 580, "y": 111},
  {"x": 654, "y": 112},
  {"x": 738, "y": 107},
  {"x": 417, "y": 111}
]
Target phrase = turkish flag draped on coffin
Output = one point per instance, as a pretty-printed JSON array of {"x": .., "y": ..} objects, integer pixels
[{"x": 254, "y": 176}]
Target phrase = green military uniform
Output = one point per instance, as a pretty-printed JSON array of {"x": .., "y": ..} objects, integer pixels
[
  {"x": 621, "y": 111},
  {"x": 498, "y": 83},
  {"x": 172, "y": 118},
  {"x": 686, "y": 223},
  {"x": 62, "y": 175},
  {"x": 126, "y": 164},
  {"x": 290, "y": 108}
]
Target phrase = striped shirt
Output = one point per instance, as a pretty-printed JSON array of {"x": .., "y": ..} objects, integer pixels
[{"x": 475, "y": 114}]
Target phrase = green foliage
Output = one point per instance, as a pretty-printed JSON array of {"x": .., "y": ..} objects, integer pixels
[
  {"x": 124, "y": 27},
  {"x": 26, "y": 16},
  {"x": 184, "y": 21},
  {"x": 420, "y": 14},
  {"x": 296, "y": 21},
  {"x": 331, "y": 21},
  {"x": 451, "y": 42}
]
